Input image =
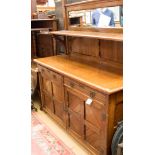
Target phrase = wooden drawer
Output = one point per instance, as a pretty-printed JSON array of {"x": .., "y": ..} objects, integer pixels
[
  {"x": 85, "y": 90},
  {"x": 53, "y": 76}
]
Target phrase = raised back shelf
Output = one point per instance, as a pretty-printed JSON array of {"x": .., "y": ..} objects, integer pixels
[{"x": 95, "y": 35}]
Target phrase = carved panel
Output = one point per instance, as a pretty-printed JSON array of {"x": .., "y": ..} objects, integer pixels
[
  {"x": 75, "y": 124},
  {"x": 111, "y": 51},
  {"x": 47, "y": 86},
  {"x": 58, "y": 92},
  {"x": 95, "y": 140},
  {"x": 75, "y": 103},
  {"x": 95, "y": 114},
  {"x": 85, "y": 46},
  {"x": 59, "y": 111},
  {"x": 47, "y": 104}
]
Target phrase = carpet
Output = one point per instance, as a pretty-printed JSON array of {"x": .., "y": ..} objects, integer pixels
[{"x": 44, "y": 141}]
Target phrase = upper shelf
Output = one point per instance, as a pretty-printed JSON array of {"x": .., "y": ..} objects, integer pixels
[
  {"x": 86, "y": 34},
  {"x": 40, "y": 29},
  {"x": 92, "y": 4},
  {"x": 33, "y": 20}
]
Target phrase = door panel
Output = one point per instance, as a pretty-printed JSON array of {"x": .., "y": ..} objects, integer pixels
[
  {"x": 94, "y": 139},
  {"x": 95, "y": 114},
  {"x": 47, "y": 86},
  {"x": 59, "y": 110},
  {"x": 47, "y": 103},
  {"x": 75, "y": 124},
  {"x": 58, "y": 92},
  {"x": 75, "y": 103}
]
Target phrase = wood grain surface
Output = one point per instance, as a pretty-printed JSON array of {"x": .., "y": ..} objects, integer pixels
[
  {"x": 94, "y": 77},
  {"x": 96, "y": 35}
]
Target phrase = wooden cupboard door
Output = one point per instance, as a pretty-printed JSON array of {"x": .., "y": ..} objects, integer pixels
[{"x": 75, "y": 108}]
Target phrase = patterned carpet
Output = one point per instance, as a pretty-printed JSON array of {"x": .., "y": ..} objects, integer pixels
[{"x": 44, "y": 141}]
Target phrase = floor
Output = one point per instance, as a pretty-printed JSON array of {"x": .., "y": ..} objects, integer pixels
[{"x": 59, "y": 132}]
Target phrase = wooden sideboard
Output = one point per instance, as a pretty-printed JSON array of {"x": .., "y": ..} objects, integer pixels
[
  {"x": 84, "y": 97},
  {"x": 82, "y": 90}
]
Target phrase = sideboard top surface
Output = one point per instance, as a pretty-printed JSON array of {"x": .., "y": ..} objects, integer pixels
[{"x": 92, "y": 76}]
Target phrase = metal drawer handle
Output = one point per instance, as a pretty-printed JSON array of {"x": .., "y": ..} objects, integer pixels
[
  {"x": 54, "y": 76},
  {"x": 71, "y": 84},
  {"x": 92, "y": 94},
  {"x": 81, "y": 86}
]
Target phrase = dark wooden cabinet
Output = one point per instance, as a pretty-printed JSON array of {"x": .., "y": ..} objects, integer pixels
[
  {"x": 45, "y": 45},
  {"x": 42, "y": 44},
  {"x": 65, "y": 100}
]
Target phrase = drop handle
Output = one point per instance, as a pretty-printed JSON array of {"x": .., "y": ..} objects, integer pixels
[
  {"x": 54, "y": 76},
  {"x": 92, "y": 94},
  {"x": 89, "y": 101},
  {"x": 72, "y": 84}
]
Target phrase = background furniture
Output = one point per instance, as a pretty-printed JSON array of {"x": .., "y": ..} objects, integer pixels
[
  {"x": 42, "y": 45},
  {"x": 39, "y": 37},
  {"x": 83, "y": 89}
]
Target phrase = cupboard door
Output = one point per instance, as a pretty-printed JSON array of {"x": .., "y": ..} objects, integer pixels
[
  {"x": 90, "y": 119},
  {"x": 75, "y": 106}
]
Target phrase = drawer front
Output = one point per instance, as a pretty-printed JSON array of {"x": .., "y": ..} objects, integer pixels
[
  {"x": 53, "y": 76},
  {"x": 85, "y": 90}
]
